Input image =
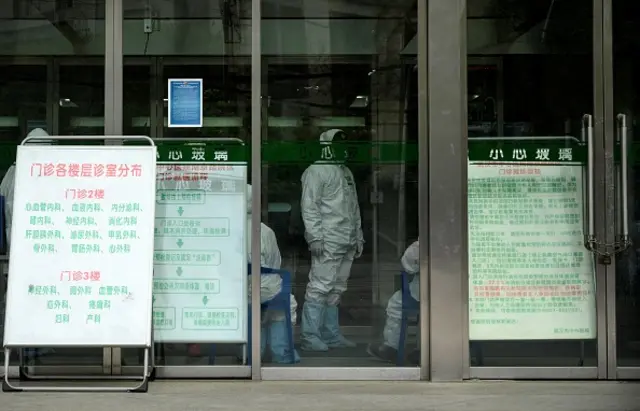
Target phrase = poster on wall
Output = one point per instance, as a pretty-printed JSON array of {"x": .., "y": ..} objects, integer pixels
[
  {"x": 184, "y": 103},
  {"x": 200, "y": 263},
  {"x": 530, "y": 275}
]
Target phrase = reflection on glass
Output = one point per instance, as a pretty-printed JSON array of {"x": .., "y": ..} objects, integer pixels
[
  {"x": 327, "y": 67},
  {"x": 81, "y": 103},
  {"x": 137, "y": 107},
  {"x": 31, "y": 33},
  {"x": 23, "y": 98},
  {"x": 531, "y": 280},
  {"x": 225, "y": 111},
  {"x": 210, "y": 37},
  {"x": 225, "y": 101},
  {"x": 626, "y": 103}
]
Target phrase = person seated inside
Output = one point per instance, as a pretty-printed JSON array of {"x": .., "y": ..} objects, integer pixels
[
  {"x": 273, "y": 326},
  {"x": 387, "y": 350},
  {"x": 273, "y": 323}
]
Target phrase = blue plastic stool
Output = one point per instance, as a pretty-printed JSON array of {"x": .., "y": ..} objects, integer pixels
[
  {"x": 410, "y": 307},
  {"x": 280, "y": 302}
]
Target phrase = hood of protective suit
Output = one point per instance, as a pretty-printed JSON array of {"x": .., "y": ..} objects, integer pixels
[
  {"x": 8, "y": 184},
  {"x": 411, "y": 258},
  {"x": 328, "y": 153},
  {"x": 329, "y": 135},
  {"x": 38, "y": 132}
]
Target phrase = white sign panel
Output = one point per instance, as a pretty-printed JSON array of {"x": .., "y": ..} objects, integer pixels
[
  {"x": 530, "y": 276},
  {"x": 200, "y": 263},
  {"x": 81, "y": 265}
]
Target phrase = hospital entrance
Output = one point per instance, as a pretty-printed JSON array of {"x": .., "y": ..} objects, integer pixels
[{"x": 529, "y": 238}]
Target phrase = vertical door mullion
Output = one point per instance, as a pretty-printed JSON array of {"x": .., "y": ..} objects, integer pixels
[
  {"x": 113, "y": 115},
  {"x": 423, "y": 190},
  {"x": 601, "y": 206},
  {"x": 610, "y": 182},
  {"x": 159, "y": 85},
  {"x": 256, "y": 181}
]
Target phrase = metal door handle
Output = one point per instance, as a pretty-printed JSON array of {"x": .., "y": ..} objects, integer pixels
[
  {"x": 587, "y": 137},
  {"x": 623, "y": 240}
]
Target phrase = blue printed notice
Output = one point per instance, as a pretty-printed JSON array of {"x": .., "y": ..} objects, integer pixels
[{"x": 185, "y": 103}]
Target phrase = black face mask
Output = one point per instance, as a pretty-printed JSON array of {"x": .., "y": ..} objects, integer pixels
[{"x": 339, "y": 139}]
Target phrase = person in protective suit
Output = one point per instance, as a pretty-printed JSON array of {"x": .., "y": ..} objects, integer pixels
[
  {"x": 7, "y": 192},
  {"x": 273, "y": 328},
  {"x": 7, "y": 185},
  {"x": 333, "y": 231},
  {"x": 388, "y": 349}
]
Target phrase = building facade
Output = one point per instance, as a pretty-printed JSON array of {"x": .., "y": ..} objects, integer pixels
[{"x": 498, "y": 132}]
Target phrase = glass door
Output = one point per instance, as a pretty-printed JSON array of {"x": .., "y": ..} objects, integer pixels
[
  {"x": 534, "y": 285},
  {"x": 226, "y": 114},
  {"x": 76, "y": 102},
  {"x": 623, "y": 141}
]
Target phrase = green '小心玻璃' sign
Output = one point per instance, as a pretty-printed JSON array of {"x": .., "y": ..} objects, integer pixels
[{"x": 555, "y": 150}]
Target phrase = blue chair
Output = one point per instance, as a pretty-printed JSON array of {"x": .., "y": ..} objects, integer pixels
[
  {"x": 280, "y": 302},
  {"x": 410, "y": 308}
]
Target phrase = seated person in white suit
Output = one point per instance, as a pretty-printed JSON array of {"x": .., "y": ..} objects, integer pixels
[{"x": 388, "y": 349}]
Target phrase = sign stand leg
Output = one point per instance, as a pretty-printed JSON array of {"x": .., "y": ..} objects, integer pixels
[
  {"x": 150, "y": 372},
  {"x": 26, "y": 359},
  {"x": 6, "y": 386},
  {"x": 146, "y": 372},
  {"x": 143, "y": 385}
]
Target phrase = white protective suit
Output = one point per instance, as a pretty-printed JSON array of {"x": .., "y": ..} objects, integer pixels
[
  {"x": 7, "y": 186},
  {"x": 274, "y": 329},
  {"x": 333, "y": 230},
  {"x": 270, "y": 285},
  {"x": 411, "y": 264},
  {"x": 7, "y": 191}
]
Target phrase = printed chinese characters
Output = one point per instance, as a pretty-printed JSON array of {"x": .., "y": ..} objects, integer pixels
[
  {"x": 85, "y": 170},
  {"x": 41, "y": 227},
  {"x": 562, "y": 154},
  {"x": 82, "y": 221},
  {"x": 187, "y": 233},
  {"x": 86, "y": 285},
  {"x": 192, "y": 154},
  {"x": 123, "y": 224},
  {"x": 525, "y": 243}
]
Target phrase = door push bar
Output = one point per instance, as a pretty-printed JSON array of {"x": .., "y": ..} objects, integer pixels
[{"x": 622, "y": 239}]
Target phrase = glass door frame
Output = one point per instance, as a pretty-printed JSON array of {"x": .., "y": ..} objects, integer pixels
[
  {"x": 612, "y": 210},
  {"x": 275, "y": 61},
  {"x": 158, "y": 87},
  {"x": 117, "y": 366},
  {"x": 599, "y": 126},
  {"x": 384, "y": 371},
  {"x": 53, "y": 65},
  {"x": 449, "y": 349}
]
